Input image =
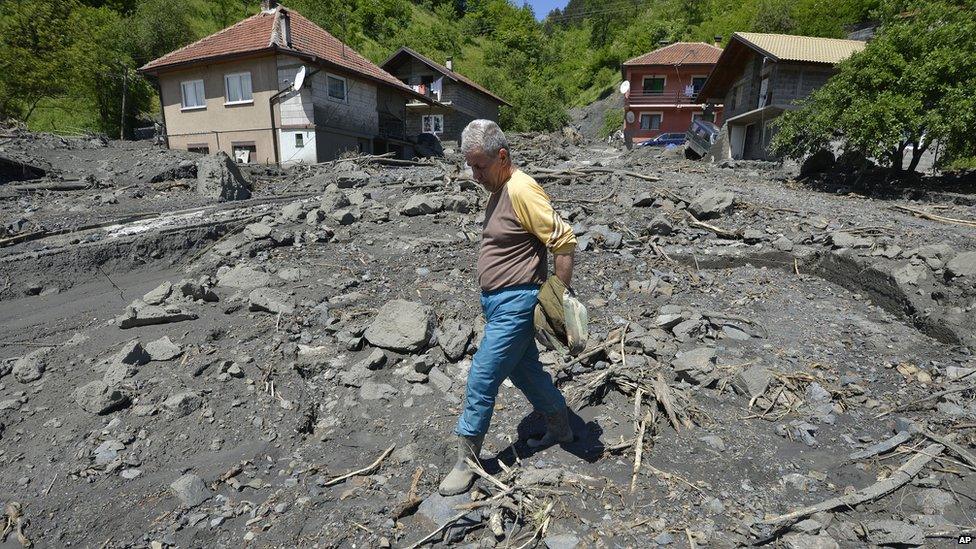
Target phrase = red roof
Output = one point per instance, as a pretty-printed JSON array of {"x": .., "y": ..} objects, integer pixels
[
  {"x": 456, "y": 76},
  {"x": 679, "y": 53},
  {"x": 263, "y": 32}
]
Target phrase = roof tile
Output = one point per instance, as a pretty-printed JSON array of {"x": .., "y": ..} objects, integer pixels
[
  {"x": 679, "y": 53},
  {"x": 810, "y": 49}
]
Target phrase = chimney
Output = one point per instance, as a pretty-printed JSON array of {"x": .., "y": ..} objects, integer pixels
[
  {"x": 718, "y": 40},
  {"x": 449, "y": 63},
  {"x": 268, "y": 5},
  {"x": 285, "y": 27}
]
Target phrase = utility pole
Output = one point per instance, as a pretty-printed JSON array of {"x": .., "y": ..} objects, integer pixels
[{"x": 125, "y": 86}]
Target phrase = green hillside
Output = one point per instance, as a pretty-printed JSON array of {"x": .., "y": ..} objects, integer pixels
[{"x": 65, "y": 65}]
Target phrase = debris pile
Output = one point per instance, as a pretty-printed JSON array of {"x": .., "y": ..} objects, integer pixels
[{"x": 767, "y": 363}]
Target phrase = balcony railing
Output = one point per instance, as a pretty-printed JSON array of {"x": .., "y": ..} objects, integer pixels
[{"x": 667, "y": 98}]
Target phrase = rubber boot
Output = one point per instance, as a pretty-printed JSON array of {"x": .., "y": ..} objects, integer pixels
[
  {"x": 461, "y": 477},
  {"x": 558, "y": 430}
]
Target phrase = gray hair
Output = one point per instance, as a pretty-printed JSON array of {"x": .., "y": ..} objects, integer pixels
[{"x": 483, "y": 135}]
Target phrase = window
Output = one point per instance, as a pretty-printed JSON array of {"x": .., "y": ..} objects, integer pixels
[
  {"x": 198, "y": 148},
  {"x": 764, "y": 98},
  {"x": 299, "y": 140},
  {"x": 433, "y": 123},
  {"x": 237, "y": 88},
  {"x": 244, "y": 153},
  {"x": 193, "y": 97},
  {"x": 697, "y": 82},
  {"x": 653, "y": 84},
  {"x": 337, "y": 87},
  {"x": 650, "y": 121}
]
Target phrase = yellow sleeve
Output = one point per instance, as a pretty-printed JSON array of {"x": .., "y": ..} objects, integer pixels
[{"x": 536, "y": 215}]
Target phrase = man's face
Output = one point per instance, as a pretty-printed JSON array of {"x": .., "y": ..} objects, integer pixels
[{"x": 490, "y": 171}]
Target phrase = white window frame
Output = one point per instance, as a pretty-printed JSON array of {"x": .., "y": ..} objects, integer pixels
[
  {"x": 431, "y": 117},
  {"x": 242, "y": 100},
  {"x": 663, "y": 77},
  {"x": 202, "y": 96},
  {"x": 345, "y": 88},
  {"x": 650, "y": 113}
]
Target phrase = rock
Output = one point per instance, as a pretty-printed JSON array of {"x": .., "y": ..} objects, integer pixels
[
  {"x": 163, "y": 349},
  {"x": 97, "y": 397},
  {"x": 643, "y": 200},
  {"x": 344, "y": 216},
  {"x": 422, "y": 204},
  {"x": 31, "y": 366},
  {"x": 753, "y": 236},
  {"x": 440, "y": 379},
  {"x": 664, "y": 538},
  {"x": 711, "y": 203},
  {"x": 818, "y": 162},
  {"x": 118, "y": 372},
  {"x": 190, "y": 490},
  {"x": 218, "y": 177},
  {"x": 257, "y": 230},
  {"x": 376, "y": 391},
  {"x": 107, "y": 452},
  {"x": 159, "y": 293},
  {"x": 333, "y": 199},
  {"x": 245, "y": 278},
  {"x": 183, "y": 404},
  {"x": 428, "y": 145},
  {"x": 893, "y": 532},
  {"x": 912, "y": 275},
  {"x": 457, "y": 203},
  {"x": 132, "y": 353},
  {"x": 840, "y": 239},
  {"x": 807, "y": 541},
  {"x": 438, "y": 510},
  {"x": 561, "y": 541},
  {"x": 695, "y": 365},
  {"x": 197, "y": 290},
  {"x": 294, "y": 211},
  {"x": 453, "y": 338},
  {"x": 375, "y": 360},
  {"x": 714, "y": 442},
  {"x": 660, "y": 226},
  {"x": 783, "y": 244},
  {"x": 271, "y": 300},
  {"x": 963, "y": 264},
  {"x": 752, "y": 382},
  {"x": 350, "y": 179},
  {"x": 401, "y": 326},
  {"x": 147, "y": 315}
]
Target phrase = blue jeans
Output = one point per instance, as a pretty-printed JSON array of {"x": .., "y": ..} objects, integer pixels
[{"x": 507, "y": 350}]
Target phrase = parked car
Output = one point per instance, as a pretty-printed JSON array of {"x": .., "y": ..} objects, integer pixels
[{"x": 665, "y": 139}]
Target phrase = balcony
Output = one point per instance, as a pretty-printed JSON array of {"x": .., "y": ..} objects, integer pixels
[{"x": 639, "y": 97}]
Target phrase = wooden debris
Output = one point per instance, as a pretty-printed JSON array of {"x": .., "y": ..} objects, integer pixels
[
  {"x": 364, "y": 471},
  {"x": 935, "y": 217},
  {"x": 949, "y": 443},
  {"x": 410, "y": 504},
  {"x": 899, "y": 478},
  {"x": 934, "y": 396}
]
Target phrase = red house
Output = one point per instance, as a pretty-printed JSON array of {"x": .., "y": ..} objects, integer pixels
[{"x": 663, "y": 86}]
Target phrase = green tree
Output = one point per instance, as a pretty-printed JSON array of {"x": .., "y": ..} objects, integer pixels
[{"x": 910, "y": 87}]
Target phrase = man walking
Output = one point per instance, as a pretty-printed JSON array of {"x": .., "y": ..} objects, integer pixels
[{"x": 520, "y": 226}]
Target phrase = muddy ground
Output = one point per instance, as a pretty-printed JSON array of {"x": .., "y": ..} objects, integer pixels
[{"x": 183, "y": 372}]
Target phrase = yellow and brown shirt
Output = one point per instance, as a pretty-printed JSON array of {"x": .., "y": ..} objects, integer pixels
[{"x": 520, "y": 225}]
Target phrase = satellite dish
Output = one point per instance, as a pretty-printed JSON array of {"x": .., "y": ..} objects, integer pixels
[
  {"x": 299, "y": 79},
  {"x": 630, "y": 117},
  {"x": 625, "y": 86}
]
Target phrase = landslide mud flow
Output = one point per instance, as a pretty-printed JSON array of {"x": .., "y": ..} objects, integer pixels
[{"x": 770, "y": 362}]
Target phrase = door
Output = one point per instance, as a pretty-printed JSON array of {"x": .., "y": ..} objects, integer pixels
[{"x": 752, "y": 150}]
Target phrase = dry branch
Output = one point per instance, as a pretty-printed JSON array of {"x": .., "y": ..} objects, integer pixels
[
  {"x": 935, "y": 217},
  {"x": 364, "y": 471},
  {"x": 899, "y": 478}
]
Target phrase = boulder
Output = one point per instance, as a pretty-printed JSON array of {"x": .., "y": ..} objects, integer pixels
[
  {"x": 660, "y": 226},
  {"x": 711, "y": 203},
  {"x": 402, "y": 326},
  {"x": 163, "y": 349},
  {"x": 159, "y": 293},
  {"x": 133, "y": 353},
  {"x": 350, "y": 179},
  {"x": 245, "y": 278},
  {"x": 439, "y": 510},
  {"x": 294, "y": 211},
  {"x": 140, "y": 314},
  {"x": 271, "y": 300},
  {"x": 333, "y": 199},
  {"x": 30, "y": 367},
  {"x": 183, "y": 404},
  {"x": 97, "y": 397},
  {"x": 422, "y": 204},
  {"x": 963, "y": 264},
  {"x": 197, "y": 290},
  {"x": 453, "y": 338},
  {"x": 190, "y": 490},
  {"x": 752, "y": 382},
  {"x": 643, "y": 200},
  {"x": 457, "y": 203},
  {"x": 218, "y": 177},
  {"x": 695, "y": 365}
]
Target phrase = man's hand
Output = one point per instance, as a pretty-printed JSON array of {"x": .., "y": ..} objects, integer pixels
[{"x": 563, "y": 264}]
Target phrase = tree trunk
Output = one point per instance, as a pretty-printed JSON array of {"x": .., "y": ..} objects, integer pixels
[{"x": 917, "y": 153}]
